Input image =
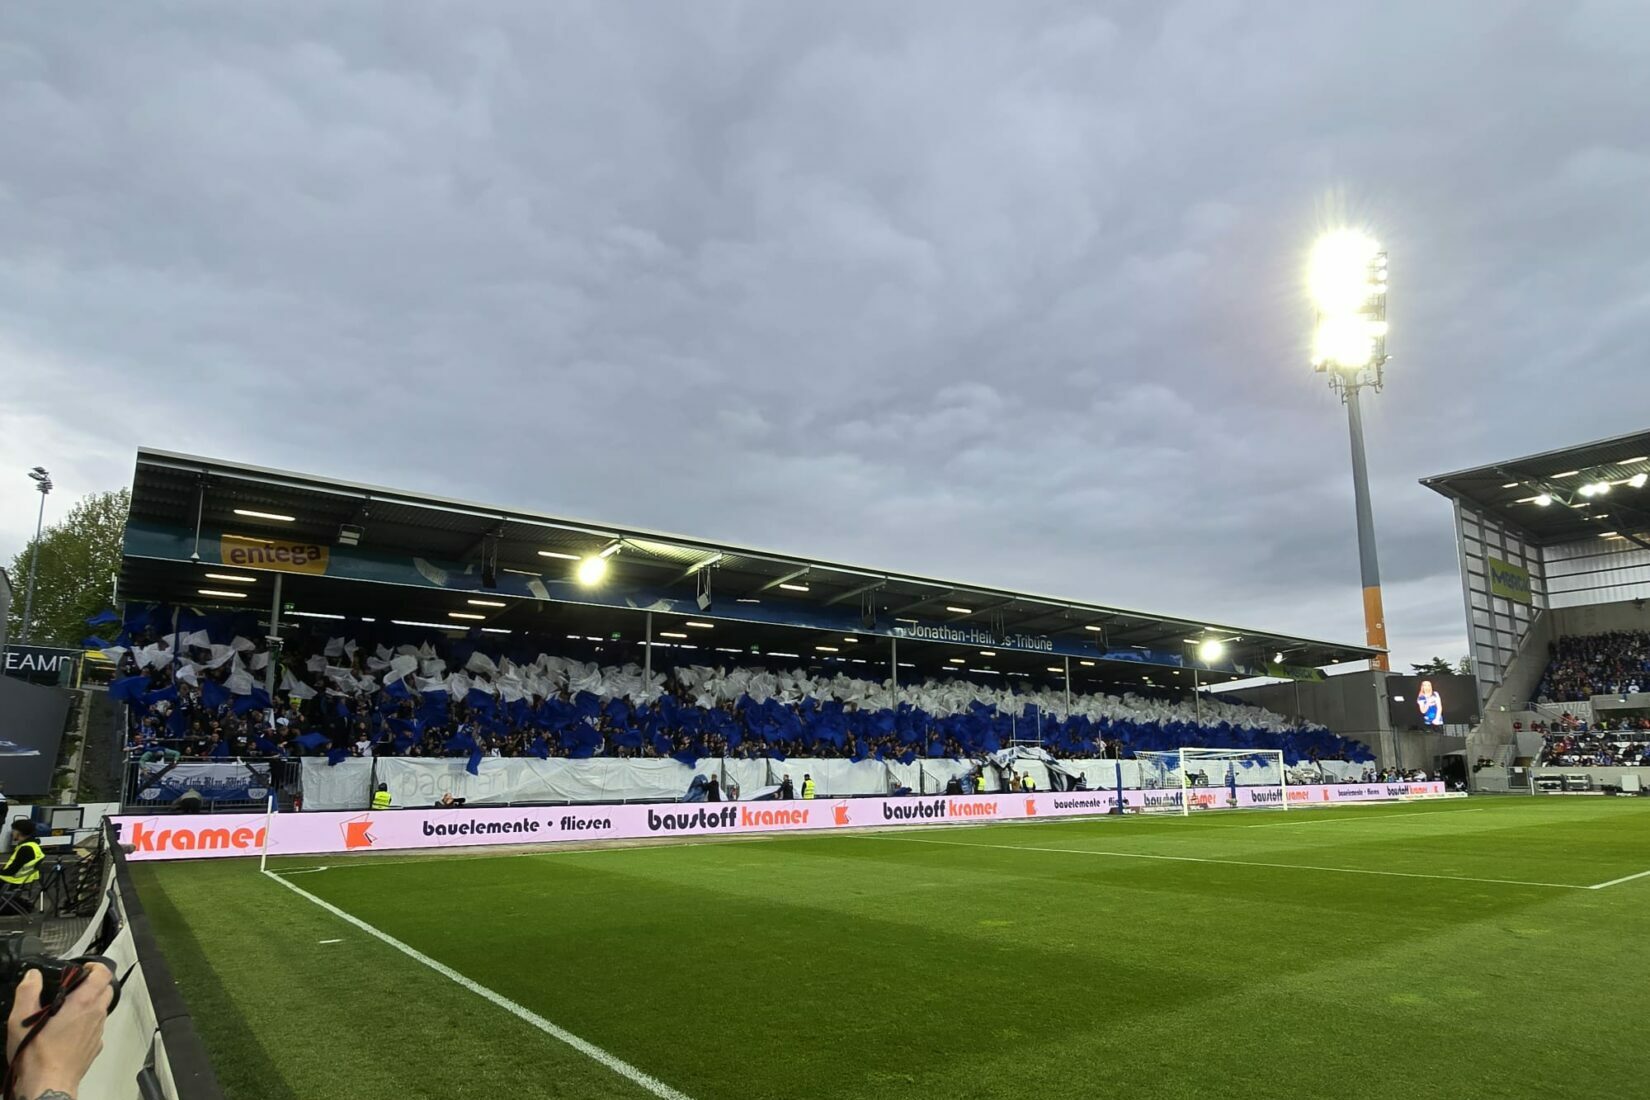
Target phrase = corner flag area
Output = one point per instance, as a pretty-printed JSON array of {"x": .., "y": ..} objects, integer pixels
[{"x": 1364, "y": 951}]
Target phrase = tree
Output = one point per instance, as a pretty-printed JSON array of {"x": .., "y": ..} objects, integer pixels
[
  {"x": 1465, "y": 667},
  {"x": 1435, "y": 667},
  {"x": 79, "y": 557}
]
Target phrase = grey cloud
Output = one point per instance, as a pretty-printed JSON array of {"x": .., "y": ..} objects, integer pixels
[{"x": 992, "y": 290}]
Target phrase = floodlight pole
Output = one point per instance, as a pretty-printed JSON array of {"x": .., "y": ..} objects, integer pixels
[
  {"x": 44, "y": 484},
  {"x": 1368, "y": 566}
]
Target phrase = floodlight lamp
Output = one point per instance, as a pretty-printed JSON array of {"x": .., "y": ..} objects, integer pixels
[
  {"x": 1338, "y": 275},
  {"x": 1543, "y": 500},
  {"x": 592, "y": 570},
  {"x": 1637, "y": 480},
  {"x": 1345, "y": 341},
  {"x": 1211, "y": 650},
  {"x": 1595, "y": 489}
]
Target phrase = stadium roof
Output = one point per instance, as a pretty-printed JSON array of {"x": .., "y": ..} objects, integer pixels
[
  {"x": 438, "y": 550},
  {"x": 1511, "y": 491}
]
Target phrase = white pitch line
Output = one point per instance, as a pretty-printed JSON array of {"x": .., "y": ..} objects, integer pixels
[
  {"x": 1362, "y": 820},
  {"x": 1234, "y": 862},
  {"x": 1619, "y": 881},
  {"x": 590, "y": 1050}
]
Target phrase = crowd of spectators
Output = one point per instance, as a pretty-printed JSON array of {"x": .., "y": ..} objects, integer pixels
[
  {"x": 197, "y": 698},
  {"x": 1580, "y": 667}
]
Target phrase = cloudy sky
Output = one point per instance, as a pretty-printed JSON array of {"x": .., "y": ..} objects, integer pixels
[{"x": 1007, "y": 292}]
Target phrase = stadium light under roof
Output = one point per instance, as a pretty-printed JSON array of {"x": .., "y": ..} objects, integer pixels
[{"x": 591, "y": 571}]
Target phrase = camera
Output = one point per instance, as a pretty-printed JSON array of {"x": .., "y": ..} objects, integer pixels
[{"x": 21, "y": 952}]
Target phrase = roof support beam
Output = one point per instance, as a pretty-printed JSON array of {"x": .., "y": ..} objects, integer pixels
[
  {"x": 844, "y": 597},
  {"x": 784, "y": 578}
]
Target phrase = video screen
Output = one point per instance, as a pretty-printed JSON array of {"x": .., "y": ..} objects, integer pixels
[{"x": 1432, "y": 701}]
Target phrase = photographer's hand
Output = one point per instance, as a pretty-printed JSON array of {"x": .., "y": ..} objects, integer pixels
[{"x": 60, "y": 1054}]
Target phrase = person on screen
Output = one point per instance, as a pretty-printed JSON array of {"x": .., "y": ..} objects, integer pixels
[{"x": 1431, "y": 704}]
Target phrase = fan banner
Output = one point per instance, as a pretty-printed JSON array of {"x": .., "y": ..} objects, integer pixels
[{"x": 174, "y": 837}]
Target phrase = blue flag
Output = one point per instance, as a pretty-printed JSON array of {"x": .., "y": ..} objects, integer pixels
[
  {"x": 104, "y": 616},
  {"x": 474, "y": 766},
  {"x": 336, "y": 757},
  {"x": 129, "y": 689}
]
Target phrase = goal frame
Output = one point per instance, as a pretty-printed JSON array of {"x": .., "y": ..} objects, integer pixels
[{"x": 1188, "y": 756}]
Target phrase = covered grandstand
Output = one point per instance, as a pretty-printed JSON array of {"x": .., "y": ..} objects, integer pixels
[
  {"x": 434, "y": 627},
  {"x": 1555, "y": 570}
]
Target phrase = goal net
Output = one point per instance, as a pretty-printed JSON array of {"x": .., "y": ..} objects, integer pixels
[{"x": 1187, "y": 779}]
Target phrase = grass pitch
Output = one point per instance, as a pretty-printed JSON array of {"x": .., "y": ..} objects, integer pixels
[{"x": 1413, "y": 951}]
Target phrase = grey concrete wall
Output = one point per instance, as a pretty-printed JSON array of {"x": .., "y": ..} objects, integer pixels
[
  {"x": 1602, "y": 618},
  {"x": 1353, "y": 705}
]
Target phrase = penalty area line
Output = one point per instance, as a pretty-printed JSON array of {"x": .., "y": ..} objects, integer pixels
[
  {"x": 588, "y": 1049},
  {"x": 1238, "y": 863},
  {"x": 1619, "y": 881}
]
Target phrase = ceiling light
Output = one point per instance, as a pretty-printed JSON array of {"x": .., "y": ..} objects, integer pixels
[
  {"x": 494, "y": 630},
  {"x": 1635, "y": 458},
  {"x": 232, "y": 578},
  {"x": 1608, "y": 535},
  {"x": 349, "y": 534},
  {"x": 465, "y": 615},
  {"x": 671, "y": 634},
  {"x": 591, "y": 571},
  {"x": 1637, "y": 480},
  {"x": 725, "y": 649},
  {"x": 558, "y": 554},
  {"x": 609, "y": 550},
  {"x": 959, "y": 660},
  {"x": 960, "y": 610},
  {"x": 220, "y": 592},
  {"x": 849, "y": 638},
  {"x": 792, "y": 656},
  {"x": 913, "y": 621},
  {"x": 746, "y": 599},
  {"x": 319, "y": 615},
  {"x": 1543, "y": 500},
  {"x": 1096, "y": 629},
  {"x": 1595, "y": 488},
  {"x": 700, "y": 626},
  {"x": 988, "y": 653},
  {"x": 1569, "y": 473},
  {"x": 276, "y": 516},
  {"x": 986, "y": 671},
  {"x": 1510, "y": 485},
  {"x": 365, "y": 619},
  {"x": 431, "y": 626},
  {"x": 1055, "y": 668},
  {"x": 827, "y": 649},
  {"x": 789, "y": 587},
  {"x": 486, "y": 603},
  {"x": 1086, "y": 664}
]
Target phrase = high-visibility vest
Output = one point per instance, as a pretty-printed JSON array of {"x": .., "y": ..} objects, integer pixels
[
  {"x": 1031, "y": 784},
  {"x": 30, "y": 870},
  {"x": 380, "y": 800},
  {"x": 807, "y": 788}
]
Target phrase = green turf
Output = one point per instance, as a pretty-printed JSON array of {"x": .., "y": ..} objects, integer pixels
[{"x": 998, "y": 961}]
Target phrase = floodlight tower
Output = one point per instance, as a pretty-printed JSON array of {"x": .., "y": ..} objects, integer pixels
[{"x": 1347, "y": 279}]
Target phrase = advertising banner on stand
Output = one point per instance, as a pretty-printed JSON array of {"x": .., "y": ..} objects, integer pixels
[{"x": 217, "y": 835}]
